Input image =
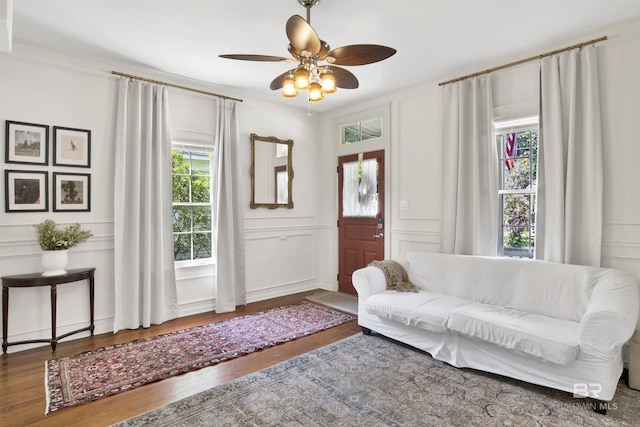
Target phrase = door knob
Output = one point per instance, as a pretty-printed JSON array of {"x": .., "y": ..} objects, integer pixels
[{"x": 378, "y": 236}]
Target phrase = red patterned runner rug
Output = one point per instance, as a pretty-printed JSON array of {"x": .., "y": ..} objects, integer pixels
[{"x": 88, "y": 376}]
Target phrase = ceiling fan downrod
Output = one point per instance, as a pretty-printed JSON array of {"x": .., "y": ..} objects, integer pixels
[{"x": 308, "y": 4}]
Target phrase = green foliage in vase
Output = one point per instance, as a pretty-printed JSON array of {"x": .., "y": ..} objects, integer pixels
[{"x": 52, "y": 238}]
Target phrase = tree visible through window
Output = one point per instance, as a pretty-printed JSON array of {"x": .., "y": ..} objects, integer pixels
[
  {"x": 191, "y": 205},
  {"x": 518, "y": 187}
]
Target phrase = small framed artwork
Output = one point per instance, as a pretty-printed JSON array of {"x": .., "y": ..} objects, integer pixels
[
  {"x": 71, "y": 147},
  {"x": 26, "y": 143},
  {"x": 71, "y": 192},
  {"x": 26, "y": 191}
]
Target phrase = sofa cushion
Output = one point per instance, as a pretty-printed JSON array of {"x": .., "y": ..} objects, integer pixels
[
  {"x": 546, "y": 338},
  {"x": 539, "y": 287},
  {"x": 425, "y": 310}
]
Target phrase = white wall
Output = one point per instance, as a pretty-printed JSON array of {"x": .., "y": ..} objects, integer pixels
[
  {"x": 292, "y": 250},
  {"x": 414, "y": 152},
  {"x": 53, "y": 88}
]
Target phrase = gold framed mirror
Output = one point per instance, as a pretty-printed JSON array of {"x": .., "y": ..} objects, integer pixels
[{"x": 271, "y": 172}]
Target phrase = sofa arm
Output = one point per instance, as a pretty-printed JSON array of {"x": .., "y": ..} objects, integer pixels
[
  {"x": 612, "y": 314},
  {"x": 368, "y": 281}
]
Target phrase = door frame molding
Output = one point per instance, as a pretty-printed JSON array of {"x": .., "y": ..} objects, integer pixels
[{"x": 382, "y": 143}]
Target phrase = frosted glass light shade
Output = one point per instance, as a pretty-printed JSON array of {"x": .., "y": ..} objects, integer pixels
[
  {"x": 328, "y": 82},
  {"x": 315, "y": 92},
  {"x": 289, "y": 88},
  {"x": 301, "y": 77}
]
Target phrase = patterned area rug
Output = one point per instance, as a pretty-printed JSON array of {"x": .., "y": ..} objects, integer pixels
[
  {"x": 84, "y": 377},
  {"x": 371, "y": 381}
]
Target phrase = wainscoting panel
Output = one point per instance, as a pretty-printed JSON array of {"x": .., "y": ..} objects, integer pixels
[
  {"x": 409, "y": 240},
  {"x": 196, "y": 289},
  {"x": 279, "y": 259},
  {"x": 621, "y": 246}
]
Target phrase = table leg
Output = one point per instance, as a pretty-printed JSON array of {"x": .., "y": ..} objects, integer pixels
[
  {"x": 54, "y": 297},
  {"x": 91, "y": 301},
  {"x": 5, "y": 319}
]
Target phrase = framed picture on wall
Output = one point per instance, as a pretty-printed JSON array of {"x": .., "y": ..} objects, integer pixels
[
  {"x": 71, "y": 147},
  {"x": 26, "y": 143},
  {"x": 71, "y": 192},
  {"x": 25, "y": 191}
]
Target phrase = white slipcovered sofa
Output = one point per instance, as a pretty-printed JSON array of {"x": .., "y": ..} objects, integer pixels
[{"x": 556, "y": 325}]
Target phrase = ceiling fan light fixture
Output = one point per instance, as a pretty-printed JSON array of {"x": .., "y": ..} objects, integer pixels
[
  {"x": 319, "y": 68},
  {"x": 301, "y": 77},
  {"x": 315, "y": 92},
  {"x": 289, "y": 87},
  {"x": 328, "y": 81}
]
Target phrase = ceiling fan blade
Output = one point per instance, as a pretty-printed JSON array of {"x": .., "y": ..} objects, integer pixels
[
  {"x": 344, "y": 79},
  {"x": 324, "y": 50},
  {"x": 302, "y": 36},
  {"x": 359, "y": 54},
  {"x": 262, "y": 58},
  {"x": 279, "y": 81},
  {"x": 293, "y": 51}
]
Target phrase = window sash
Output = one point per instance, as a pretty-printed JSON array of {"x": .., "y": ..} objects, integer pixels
[
  {"x": 194, "y": 232},
  {"x": 519, "y": 191},
  {"x": 528, "y": 235}
]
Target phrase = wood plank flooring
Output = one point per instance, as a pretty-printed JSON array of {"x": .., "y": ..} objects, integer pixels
[{"x": 22, "y": 393}]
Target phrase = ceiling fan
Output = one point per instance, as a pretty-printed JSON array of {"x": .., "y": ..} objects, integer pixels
[{"x": 316, "y": 70}]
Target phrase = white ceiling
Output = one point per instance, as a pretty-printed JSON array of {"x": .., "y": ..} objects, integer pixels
[{"x": 435, "y": 39}]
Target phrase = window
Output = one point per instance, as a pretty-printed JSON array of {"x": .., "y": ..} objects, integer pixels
[
  {"x": 360, "y": 189},
  {"x": 191, "y": 205},
  {"x": 518, "y": 151},
  {"x": 361, "y": 130}
]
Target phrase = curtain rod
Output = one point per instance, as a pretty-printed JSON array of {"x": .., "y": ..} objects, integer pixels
[
  {"x": 522, "y": 61},
  {"x": 172, "y": 85}
]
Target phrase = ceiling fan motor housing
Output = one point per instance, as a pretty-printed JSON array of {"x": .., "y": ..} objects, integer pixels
[{"x": 308, "y": 3}]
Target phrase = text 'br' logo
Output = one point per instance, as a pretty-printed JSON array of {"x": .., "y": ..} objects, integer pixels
[{"x": 587, "y": 390}]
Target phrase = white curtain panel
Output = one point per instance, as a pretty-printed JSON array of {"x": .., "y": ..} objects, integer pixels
[
  {"x": 469, "y": 223},
  {"x": 228, "y": 216},
  {"x": 145, "y": 285},
  {"x": 570, "y": 176}
]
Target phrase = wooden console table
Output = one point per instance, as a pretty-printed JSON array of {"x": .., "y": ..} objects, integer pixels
[{"x": 37, "y": 279}]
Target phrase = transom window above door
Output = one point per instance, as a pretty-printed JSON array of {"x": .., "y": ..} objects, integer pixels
[{"x": 361, "y": 130}]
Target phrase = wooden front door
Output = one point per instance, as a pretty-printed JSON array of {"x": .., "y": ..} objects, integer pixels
[{"x": 360, "y": 214}]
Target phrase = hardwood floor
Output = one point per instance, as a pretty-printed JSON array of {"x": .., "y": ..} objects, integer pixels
[{"x": 22, "y": 394}]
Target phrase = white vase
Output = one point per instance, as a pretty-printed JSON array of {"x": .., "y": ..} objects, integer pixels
[{"x": 54, "y": 262}]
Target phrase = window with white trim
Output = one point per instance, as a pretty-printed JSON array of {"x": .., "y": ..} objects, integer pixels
[
  {"x": 192, "y": 206},
  {"x": 518, "y": 156}
]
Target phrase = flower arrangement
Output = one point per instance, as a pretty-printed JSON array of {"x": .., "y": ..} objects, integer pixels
[{"x": 52, "y": 238}]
